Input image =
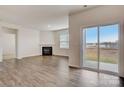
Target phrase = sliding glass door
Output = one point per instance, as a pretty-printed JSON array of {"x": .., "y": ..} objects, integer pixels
[{"x": 100, "y": 48}]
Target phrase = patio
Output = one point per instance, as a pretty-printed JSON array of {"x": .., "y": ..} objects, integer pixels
[{"x": 103, "y": 65}]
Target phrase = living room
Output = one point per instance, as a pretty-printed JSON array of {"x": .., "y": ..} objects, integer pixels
[{"x": 53, "y": 45}]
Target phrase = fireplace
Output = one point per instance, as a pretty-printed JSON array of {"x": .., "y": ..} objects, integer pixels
[{"x": 46, "y": 51}]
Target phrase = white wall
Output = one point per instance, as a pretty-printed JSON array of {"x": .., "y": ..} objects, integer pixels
[
  {"x": 28, "y": 42},
  {"x": 96, "y": 16},
  {"x": 57, "y": 49},
  {"x": 46, "y": 37}
]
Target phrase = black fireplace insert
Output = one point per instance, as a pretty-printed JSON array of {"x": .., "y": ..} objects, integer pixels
[{"x": 46, "y": 51}]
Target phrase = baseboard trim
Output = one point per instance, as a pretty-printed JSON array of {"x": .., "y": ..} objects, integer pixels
[
  {"x": 19, "y": 58},
  {"x": 29, "y": 56},
  {"x": 40, "y": 55},
  {"x": 60, "y": 56},
  {"x": 74, "y": 66}
]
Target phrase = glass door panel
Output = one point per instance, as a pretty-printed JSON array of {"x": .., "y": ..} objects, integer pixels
[
  {"x": 108, "y": 47},
  {"x": 90, "y": 48}
]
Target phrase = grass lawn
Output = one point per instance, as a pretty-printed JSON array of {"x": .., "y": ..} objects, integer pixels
[{"x": 106, "y": 55}]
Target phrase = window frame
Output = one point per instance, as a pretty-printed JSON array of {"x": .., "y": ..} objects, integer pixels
[{"x": 64, "y": 41}]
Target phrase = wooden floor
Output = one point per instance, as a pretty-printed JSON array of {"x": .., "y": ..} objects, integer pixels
[{"x": 51, "y": 71}]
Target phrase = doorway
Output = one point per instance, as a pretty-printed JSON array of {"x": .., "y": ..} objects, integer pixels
[
  {"x": 9, "y": 43},
  {"x": 101, "y": 48}
]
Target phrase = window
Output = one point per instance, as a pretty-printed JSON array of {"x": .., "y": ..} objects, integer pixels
[{"x": 64, "y": 39}]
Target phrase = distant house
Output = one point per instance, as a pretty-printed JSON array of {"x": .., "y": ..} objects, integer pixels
[
  {"x": 113, "y": 45},
  {"x": 109, "y": 45}
]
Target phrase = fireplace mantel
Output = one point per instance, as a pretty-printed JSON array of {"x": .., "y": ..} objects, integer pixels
[{"x": 46, "y": 45}]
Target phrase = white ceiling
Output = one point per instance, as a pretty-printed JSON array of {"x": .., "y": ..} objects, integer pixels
[{"x": 41, "y": 17}]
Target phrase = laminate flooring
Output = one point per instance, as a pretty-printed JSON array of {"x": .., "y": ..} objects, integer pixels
[{"x": 51, "y": 71}]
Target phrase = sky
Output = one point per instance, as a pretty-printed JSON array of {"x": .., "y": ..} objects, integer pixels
[{"x": 107, "y": 34}]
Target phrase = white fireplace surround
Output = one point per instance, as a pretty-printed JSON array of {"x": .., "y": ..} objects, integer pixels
[{"x": 46, "y": 45}]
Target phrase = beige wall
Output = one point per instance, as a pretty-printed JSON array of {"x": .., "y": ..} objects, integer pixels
[
  {"x": 1, "y": 54},
  {"x": 1, "y": 49},
  {"x": 96, "y": 16},
  {"x": 57, "y": 50}
]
